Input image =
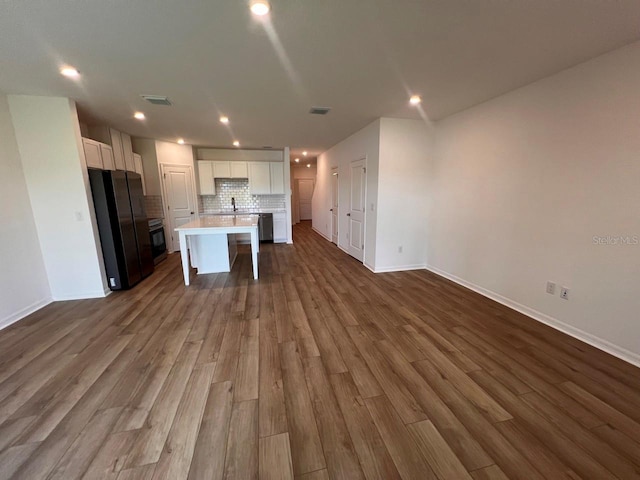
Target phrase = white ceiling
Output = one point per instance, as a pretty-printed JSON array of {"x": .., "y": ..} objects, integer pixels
[{"x": 361, "y": 57}]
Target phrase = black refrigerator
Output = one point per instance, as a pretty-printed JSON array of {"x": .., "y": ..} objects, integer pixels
[{"x": 123, "y": 226}]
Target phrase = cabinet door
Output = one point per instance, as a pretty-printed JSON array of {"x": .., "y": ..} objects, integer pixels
[
  {"x": 221, "y": 170},
  {"x": 137, "y": 161},
  {"x": 92, "y": 153},
  {"x": 127, "y": 151},
  {"x": 259, "y": 178},
  {"x": 116, "y": 144},
  {"x": 205, "y": 177},
  {"x": 277, "y": 177},
  {"x": 279, "y": 227},
  {"x": 107, "y": 157},
  {"x": 239, "y": 170}
]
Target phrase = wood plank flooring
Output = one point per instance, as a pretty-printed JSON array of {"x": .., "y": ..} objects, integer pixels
[{"x": 318, "y": 370}]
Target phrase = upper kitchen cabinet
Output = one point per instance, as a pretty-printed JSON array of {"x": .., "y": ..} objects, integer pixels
[
  {"x": 206, "y": 173},
  {"x": 108, "y": 162},
  {"x": 220, "y": 169},
  {"x": 92, "y": 153},
  {"x": 277, "y": 177},
  {"x": 127, "y": 152},
  {"x": 137, "y": 161},
  {"x": 98, "y": 155},
  {"x": 118, "y": 153},
  {"x": 119, "y": 142},
  {"x": 224, "y": 169},
  {"x": 259, "y": 178},
  {"x": 239, "y": 170}
]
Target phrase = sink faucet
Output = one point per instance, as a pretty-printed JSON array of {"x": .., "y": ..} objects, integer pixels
[{"x": 233, "y": 204}]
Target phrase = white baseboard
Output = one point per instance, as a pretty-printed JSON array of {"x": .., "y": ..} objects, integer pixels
[
  {"x": 601, "y": 344},
  {"x": 82, "y": 296},
  {"x": 20, "y": 314},
  {"x": 398, "y": 268},
  {"x": 320, "y": 233}
]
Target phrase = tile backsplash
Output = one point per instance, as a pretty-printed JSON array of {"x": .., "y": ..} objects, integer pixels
[
  {"x": 237, "y": 188},
  {"x": 153, "y": 206}
]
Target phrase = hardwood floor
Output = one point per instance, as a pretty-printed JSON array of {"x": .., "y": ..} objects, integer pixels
[{"x": 320, "y": 369}]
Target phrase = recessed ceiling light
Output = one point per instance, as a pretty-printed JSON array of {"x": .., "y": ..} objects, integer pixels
[
  {"x": 224, "y": 120},
  {"x": 260, "y": 7},
  {"x": 236, "y": 143},
  {"x": 297, "y": 160},
  {"x": 305, "y": 153},
  {"x": 415, "y": 100},
  {"x": 308, "y": 165},
  {"x": 139, "y": 115},
  {"x": 69, "y": 72},
  {"x": 181, "y": 141}
]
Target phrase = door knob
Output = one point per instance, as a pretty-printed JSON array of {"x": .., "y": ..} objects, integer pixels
[
  {"x": 331, "y": 209},
  {"x": 191, "y": 213},
  {"x": 348, "y": 214}
]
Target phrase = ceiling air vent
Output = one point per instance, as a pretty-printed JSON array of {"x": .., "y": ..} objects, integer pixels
[
  {"x": 319, "y": 110},
  {"x": 156, "y": 99},
  {"x": 267, "y": 147}
]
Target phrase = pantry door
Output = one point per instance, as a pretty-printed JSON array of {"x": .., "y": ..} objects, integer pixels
[
  {"x": 179, "y": 200},
  {"x": 356, "y": 210}
]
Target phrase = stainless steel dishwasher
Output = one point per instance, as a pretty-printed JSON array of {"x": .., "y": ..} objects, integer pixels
[{"x": 265, "y": 227}]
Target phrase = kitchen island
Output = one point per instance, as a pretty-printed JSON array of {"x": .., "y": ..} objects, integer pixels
[{"x": 212, "y": 245}]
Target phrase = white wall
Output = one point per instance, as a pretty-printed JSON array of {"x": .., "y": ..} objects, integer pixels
[
  {"x": 23, "y": 279},
  {"x": 174, "y": 154},
  {"x": 239, "y": 154},
  {"x": 50, "y": 146},
  {"x": 364, "y": 143},
  {"x": 403, "y": 194},
  {"x": 523, "y": 183}
]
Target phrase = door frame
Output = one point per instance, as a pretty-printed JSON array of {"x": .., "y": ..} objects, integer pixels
[
  {"x": 168, "y": 218},
  {"x": 335, "y": 171},
  {"x": 364, "y": 212}
]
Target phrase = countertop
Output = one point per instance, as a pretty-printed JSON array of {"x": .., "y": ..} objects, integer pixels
[{"x": 221, "y": 221}]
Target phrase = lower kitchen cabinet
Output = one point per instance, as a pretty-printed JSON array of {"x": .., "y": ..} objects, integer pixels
[{"x": 279, "y": 227}]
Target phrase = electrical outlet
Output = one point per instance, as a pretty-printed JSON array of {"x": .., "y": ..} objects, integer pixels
[
  {"x": 564, "y": 293},
  {"x": 551, "y": 288},
  {"x": 79, "y": 217},
  {"x": 400, "y": 249}
]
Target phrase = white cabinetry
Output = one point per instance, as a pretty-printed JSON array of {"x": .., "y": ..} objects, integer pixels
[
  {"x": 239, "y": 170},
  {"x": 98, "y": 155},
  {"x": 221, "y": 169},
  {"x": 266, "y": 178},
  {"x": 107, "y": 157},
  {"x": 205, "y": 177},
  {"x": 92, "y": 153},
  {"x": 137, "y": 161},
  {"x": 259, "y": 178},
  {"x": 277, "y": 177},
  {"x": 279, "y": 227},
  {"x": 224, "y": 169},
  {"x": 118, "y": 153},
  {"x": 127, "y": 152}
]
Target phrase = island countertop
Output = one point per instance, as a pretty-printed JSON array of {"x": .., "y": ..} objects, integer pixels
[{"x": 221, "y": 222}]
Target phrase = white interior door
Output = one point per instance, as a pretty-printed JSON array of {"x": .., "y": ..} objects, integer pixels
[
  {"x": 334, "y": 205},
  {"x": 305, "y": 196},
  {"x": 180, "y": 199},
  {"x": 355, "y": 214}
]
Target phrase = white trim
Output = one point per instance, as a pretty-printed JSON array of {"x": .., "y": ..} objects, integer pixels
[
  {"x": 601, "y": 344},
  {"x": 321, "y": 234},
  {"x": 399, "y": 268},
  {"x": 26, "y": 311},
  {"x": 82, "y": 296}
]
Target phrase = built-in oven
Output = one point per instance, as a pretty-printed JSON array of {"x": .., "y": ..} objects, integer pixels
[{"x": 158, "y": 240}]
